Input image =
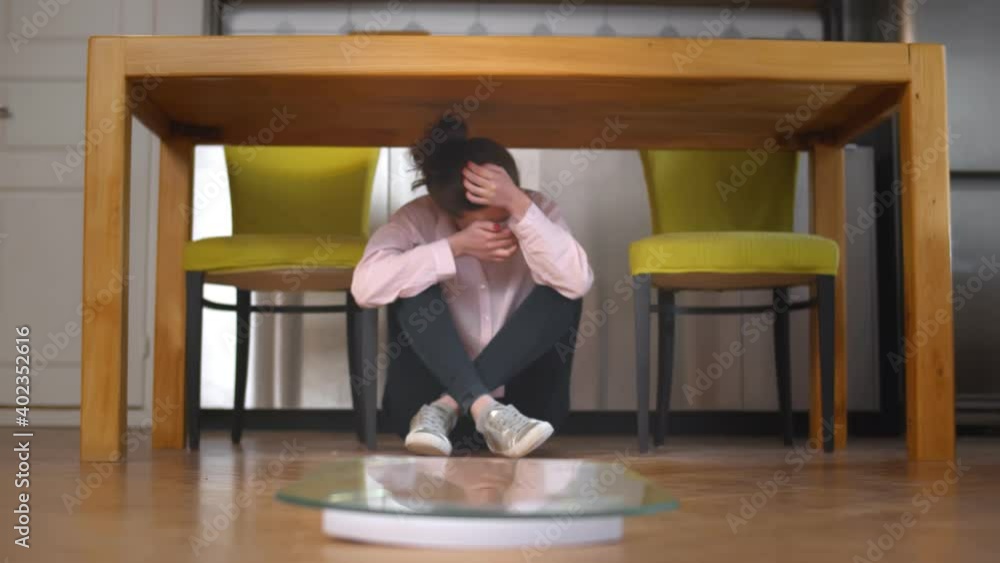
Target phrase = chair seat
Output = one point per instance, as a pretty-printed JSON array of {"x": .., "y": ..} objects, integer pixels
[
  {"x": 269, "y": 252},
  {"x": 734, "y": 252}
]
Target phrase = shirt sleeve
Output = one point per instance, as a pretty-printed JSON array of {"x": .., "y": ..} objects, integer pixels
[
  {"x": 555, "y": 258},
  {"x": 399, "y": 263}
]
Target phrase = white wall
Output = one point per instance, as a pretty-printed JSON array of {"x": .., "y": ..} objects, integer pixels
[
  {"x": 454, "y": 18},
  {"x": 42, "y": 80}
]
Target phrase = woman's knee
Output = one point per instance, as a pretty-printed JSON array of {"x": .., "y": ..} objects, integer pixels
[
  {"x": 408, "y": 310},
  {"x": 571, "y": 308}
]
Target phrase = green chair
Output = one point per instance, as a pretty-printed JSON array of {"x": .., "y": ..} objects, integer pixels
[
  {"x": 300, "y": 223},
  {"x": 712, "y": 234}
]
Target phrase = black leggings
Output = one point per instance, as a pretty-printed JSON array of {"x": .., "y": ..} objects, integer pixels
[{"x": 532, "y": 355}]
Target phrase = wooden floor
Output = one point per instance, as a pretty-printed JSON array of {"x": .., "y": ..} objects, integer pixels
[{"x": 175, "y": 506}]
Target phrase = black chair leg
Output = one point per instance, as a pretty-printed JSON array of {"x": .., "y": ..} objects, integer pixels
[
  {"x": 825, "y": 292},
  {"x": 354, "y": 364},
  {"x": 362, "y": 335},
  {"x": 192, "y": 361},
  {"x": 352, "y": 355},
  {"x": 242, "y": 361},
  {"x": 666, "y": 326},
  {"x": 782, "y": 361},
  {"x": 641, "y": 300},
  {"x": 369, "y": 382}
]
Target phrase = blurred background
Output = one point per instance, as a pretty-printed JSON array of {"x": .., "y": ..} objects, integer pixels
[{"x": 297, "y": 362}]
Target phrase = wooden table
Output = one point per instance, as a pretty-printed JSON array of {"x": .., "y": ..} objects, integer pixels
[{"x": 541, "y": 92}]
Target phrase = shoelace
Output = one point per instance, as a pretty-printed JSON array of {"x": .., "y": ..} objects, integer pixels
[
  {"x": 510, "y": 418},
  {"x": 433, "y": 417}
]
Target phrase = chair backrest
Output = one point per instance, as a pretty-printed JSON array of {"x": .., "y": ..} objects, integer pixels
[
  {"x": 301, "y": 190},
  {"x": 698, "y": 190}
]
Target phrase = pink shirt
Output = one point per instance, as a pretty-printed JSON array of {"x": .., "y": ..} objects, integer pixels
[{"x": 410, "y": 253}]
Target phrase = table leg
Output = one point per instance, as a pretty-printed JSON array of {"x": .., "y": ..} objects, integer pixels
[
  {"x": 929, "y": 338},
  {"x": 173, "y": 230},
  {"x": 104, "y": 358},
  {"x": 828, "y": 219}
]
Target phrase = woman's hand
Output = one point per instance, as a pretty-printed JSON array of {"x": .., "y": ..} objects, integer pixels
[
  {"x": 486, "y": 241},
  {"x": 489, "y": 184}
]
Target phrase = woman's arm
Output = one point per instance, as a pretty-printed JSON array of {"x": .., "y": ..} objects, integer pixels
[
  {"x": 552, "y": 254},
  {"x": 555, "y": 258},
  {"x": 398, "y": 262}
]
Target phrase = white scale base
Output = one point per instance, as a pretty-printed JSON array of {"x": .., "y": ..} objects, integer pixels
[{"x": 464, "y": 533}]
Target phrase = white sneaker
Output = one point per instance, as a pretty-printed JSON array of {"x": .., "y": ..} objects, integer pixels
[
  {"x": 511, "y": 434},
  {"x": 429, "y": 430}
]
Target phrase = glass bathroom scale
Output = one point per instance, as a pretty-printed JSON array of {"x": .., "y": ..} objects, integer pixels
[{"x": 476, "y": 502}]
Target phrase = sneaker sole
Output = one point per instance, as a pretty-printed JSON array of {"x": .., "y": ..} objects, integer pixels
[
  {"x": 422, "y": 443},
  {"x": 531, "y": 441}
]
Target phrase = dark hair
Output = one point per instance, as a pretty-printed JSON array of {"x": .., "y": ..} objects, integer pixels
[{"x": 441, "y": 155}]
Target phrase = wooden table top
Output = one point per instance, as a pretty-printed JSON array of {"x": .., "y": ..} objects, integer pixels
[{"x": 541, "y": 92}]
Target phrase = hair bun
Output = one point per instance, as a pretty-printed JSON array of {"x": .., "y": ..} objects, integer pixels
[
  {"x": 452, "y": 127},
  {"x": 441, "y": 155},
  {"x": 446, "y": 135}
]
